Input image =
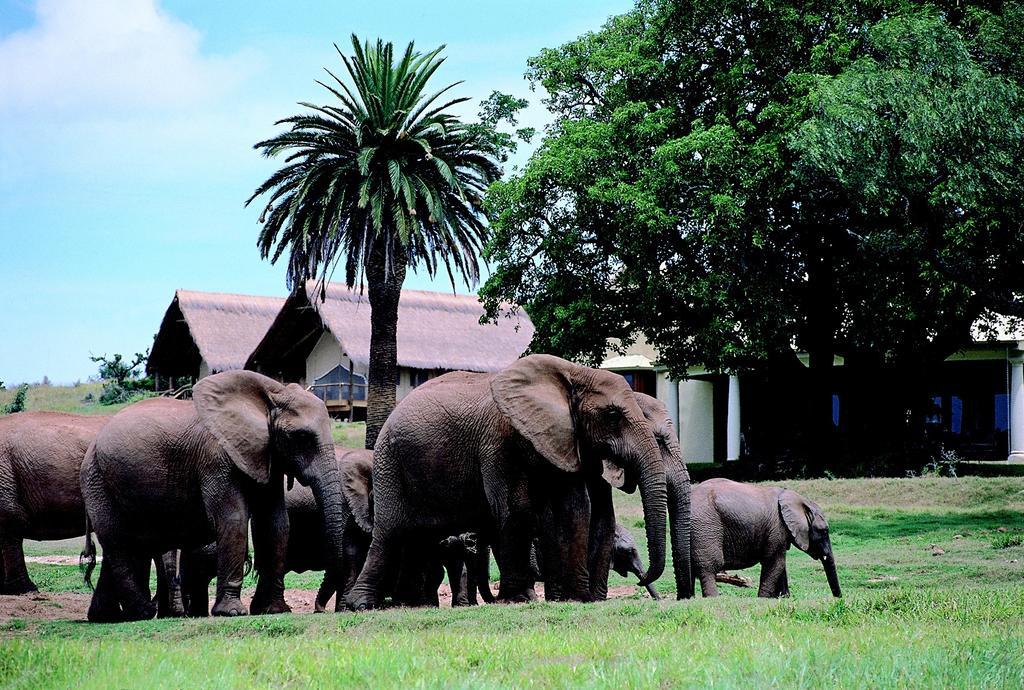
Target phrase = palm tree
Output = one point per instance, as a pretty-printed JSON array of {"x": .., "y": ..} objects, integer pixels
[{"x": 386, "y": 179}]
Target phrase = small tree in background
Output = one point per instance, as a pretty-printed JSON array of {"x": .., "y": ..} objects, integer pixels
[
  {"x": 18, "y": 404},
  {"x": 121, "y": 377}
]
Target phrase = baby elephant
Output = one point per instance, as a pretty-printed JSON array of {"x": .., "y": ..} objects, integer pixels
[
  {"x": 738, "y": 525},
  {"x": 626, "y": 558}
]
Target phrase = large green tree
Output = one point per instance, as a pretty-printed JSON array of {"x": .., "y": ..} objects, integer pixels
[
  {"x": 734, "y": 179},
  {"x": 382, "y": 179}
]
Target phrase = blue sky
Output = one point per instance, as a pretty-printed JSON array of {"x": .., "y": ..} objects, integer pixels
[{"x": 126, "y": 132}]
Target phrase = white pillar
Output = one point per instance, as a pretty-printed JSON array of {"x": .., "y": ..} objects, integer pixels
[
  {"x": 697, "y": 420},
  {"x": 669, "y": 394},
  {"x": 1016, "y": 410},
  {"x": 732, "y": 426}
]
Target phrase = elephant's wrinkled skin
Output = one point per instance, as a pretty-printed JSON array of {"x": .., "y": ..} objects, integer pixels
[
  {"x": 165, "y": 474},
  {"x": 488, "y": 453},
  {"x": 624, "y": 559},
  {"x": 739, "y": 525},
  {"x": 40, "y": 495},
  {"x": 308, "y": 547},
  {"x": 604, "y": 530}
]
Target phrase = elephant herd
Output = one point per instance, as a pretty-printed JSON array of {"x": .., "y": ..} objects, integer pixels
[{"x": 520, "y": 463}]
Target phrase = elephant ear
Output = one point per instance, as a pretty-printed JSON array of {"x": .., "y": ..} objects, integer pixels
[
  {"x": 796, "y": 515},
  {"x": 534, "y": 394},
  {"x": 235, "y": 407},
  {"x": 357, "y": 486}
]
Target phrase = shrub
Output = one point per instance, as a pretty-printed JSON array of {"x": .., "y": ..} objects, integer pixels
[
  {"x": 18, "y": 404},
  {"x": 122, "y": 382},
  {"x": 944, "y": 463}
]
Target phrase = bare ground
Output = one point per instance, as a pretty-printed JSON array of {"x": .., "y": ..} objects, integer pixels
[{"x": 74, "y": 605}]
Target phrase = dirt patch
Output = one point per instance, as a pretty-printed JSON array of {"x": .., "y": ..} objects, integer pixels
[
  {"x": 43, "y": 606},
  {"x": 46, "y": 606}
]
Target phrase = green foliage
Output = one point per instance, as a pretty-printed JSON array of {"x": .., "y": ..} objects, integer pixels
[
  {"x": 117, "y": 369},
  {"x": 385, "y": 168},
  {"x": 729, "y": 198},
  {"x": 122, "y": 383},
  {"x": 19, "y": 401},
  {"x": 502, "y": 109}
]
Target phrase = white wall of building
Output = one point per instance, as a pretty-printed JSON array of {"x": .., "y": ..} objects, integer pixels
[
  {"x": 326, "y": 355},
  {"x": 204, "y": 369},
  {"x": 697, "y": 420}
]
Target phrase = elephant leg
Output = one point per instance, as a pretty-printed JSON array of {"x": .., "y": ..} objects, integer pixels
[
  {"x": 432, "y": 582},
  {"x": 457, "y": 580},
  {"x": 16, "y": 579},
  {"x": 708, "y": 587},
  {"x": 516, "y": 581},
  {"x": 772, "y": 571},
  {"x": 602, "y": 537},
  {"x": 356, "y": 545},
  {"x": 169, "y": 598},
  {"x": 366, "y": 590},
  {"x": 136, "y": 602},
  {"x": 571, "y": 512},
  {"x": 270, "y": 539},
  {"x": 198, "y": 568},
  {"x": 104, "y": 607},
  {"x": 231, "y": 519},
  {"x": 481, "y": 573},
  {"x": 783, "y": 586},
  {"x": 324, "y": 594}
]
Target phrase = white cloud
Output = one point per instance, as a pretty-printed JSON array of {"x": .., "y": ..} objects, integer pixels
[{"x": 108, "y": 55}]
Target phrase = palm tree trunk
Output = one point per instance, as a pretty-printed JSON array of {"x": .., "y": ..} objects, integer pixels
[{"x": 384, "y": 280}]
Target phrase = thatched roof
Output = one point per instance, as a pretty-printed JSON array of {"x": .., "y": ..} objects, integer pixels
[
  {"x": 435, "y": 331},
  {"x": 222, "y": 329}
]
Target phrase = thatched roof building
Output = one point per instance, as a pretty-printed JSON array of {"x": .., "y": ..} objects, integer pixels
[
  {"x": 206, "y": 332},
  {"x": 437, "y": 332}
]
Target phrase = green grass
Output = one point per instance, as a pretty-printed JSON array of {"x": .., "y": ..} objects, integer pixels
[
  {"x": 349, "y": 434},
  {"x": 62, "y": 399},
  {"x": 908, "y": 619}
]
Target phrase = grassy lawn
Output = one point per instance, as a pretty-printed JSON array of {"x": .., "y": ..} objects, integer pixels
[
  {"x": 62, "y": 399},
  {"x": 908, "y": 619},
  {"x": 349, "y": 434}
]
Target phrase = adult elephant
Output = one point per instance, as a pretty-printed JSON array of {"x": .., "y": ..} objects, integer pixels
[
  {"x": 677, "y": 478},
  {"x": 603, "y": 528},
  {"x": 166, "y": 474},
  {"x": 308, "y": 545},
  {"x": 739, "y": 525},
  {"x": 40, "y": 496},
  {"x": 490, "y": 452}
]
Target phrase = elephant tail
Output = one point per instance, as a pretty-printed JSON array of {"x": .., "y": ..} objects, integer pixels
[{"x": 87, "y": 559}]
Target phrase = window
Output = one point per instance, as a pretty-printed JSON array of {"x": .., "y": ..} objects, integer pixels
[
  {"x": 417, "y": 377},
  {"x": 334, "y": 385}
]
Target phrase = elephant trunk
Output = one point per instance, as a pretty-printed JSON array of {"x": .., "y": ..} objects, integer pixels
[
  {"x": 654, "y": 499},
  {"x": 678, "y": 480},
  {"x": 829, "y": 562},
  {"x": 326, "y": 487}
]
